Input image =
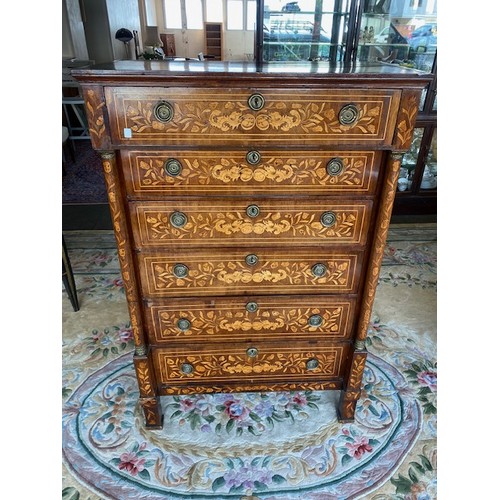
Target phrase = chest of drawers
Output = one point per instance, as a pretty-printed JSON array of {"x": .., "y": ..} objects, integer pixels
[{"x": 250, "y": 208}]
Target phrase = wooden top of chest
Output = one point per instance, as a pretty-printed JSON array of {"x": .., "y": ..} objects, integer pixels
[{"x": 224, "y": 73}]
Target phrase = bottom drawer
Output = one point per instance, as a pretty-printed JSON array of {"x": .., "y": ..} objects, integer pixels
[{"x": 249, "y": 363}]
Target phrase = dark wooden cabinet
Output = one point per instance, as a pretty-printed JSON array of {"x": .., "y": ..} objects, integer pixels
[{"x": 251, "y": 205}]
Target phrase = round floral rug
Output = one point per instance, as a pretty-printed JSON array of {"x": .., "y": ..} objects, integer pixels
[{"x": 248, "y": 445}]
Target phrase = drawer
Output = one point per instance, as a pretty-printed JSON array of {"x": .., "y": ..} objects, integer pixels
[
  {"x": 249, "y": 363},
  {"x": 264, "y": 271},
  {"x": 239, "y": 222},
  {"x": 226, "y": 116},
  {"x": 251, "y": 171},
  {"x": 247, "y": 318}
]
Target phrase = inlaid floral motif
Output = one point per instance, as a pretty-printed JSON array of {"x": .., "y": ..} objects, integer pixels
[
  {"x": 233, "y": 321},
  {"x": 279, "y": 170},
  {"x": 208, "y": 365},
  {"x": 219, "y": 224},
  {"x": 407, "y": 121},
  {"x": 209, "y": 274},
  {"x": 222, "y": 117}
]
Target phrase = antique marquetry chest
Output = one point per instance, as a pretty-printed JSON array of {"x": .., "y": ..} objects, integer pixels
[{"x": 250, "y": 206}]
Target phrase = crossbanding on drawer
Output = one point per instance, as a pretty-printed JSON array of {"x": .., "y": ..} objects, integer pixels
[
  {"x": 255, "y": 317},
  {"x": 252, "y": 362},
  {"x": 238, "y": 222},
  {"x": 156, "y": 115},
  {"x": 156, "y": 173},
  {"x": 263, "y": 271}
]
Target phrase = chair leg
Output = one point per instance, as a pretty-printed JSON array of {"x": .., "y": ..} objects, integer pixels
[{"x": 68, "y": 278}]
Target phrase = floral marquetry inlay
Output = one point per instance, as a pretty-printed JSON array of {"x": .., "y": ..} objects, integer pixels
[
  {"x": 214, "y": 223},
  {"x": 224, "y": 323},
  {"x": 229, "y": 274},
  {"x": 236, "y": 365},
  {"x": 220, "y": 117},
  {"x": 205, "y": 170},
  {"x": 222, "y": 114}
]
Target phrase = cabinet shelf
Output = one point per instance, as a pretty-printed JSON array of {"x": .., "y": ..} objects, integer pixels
[{"x": 213, "y": 41}]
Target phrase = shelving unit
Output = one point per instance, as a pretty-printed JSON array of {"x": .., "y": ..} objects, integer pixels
[{"x": 213, "y": 41}]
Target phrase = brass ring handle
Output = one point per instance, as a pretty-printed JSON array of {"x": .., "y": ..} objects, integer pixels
[
  {"x": 187, "y": 368},
  {"x": 348, "y": 114},
  {"x": 328, "y": 219},
  {"x": 173, "y": 167},
  {"x": 252, "y": 352},
  {"x": 312, "y": 364},
  {"x": 315, "y": 320},
  {"x": 178, "y": 219},
  {"x": 183, "y": 324},
  {"x": 335, "y": 166},
  {"x": 253, "y": 211},
  {"x": 253, "y": 157},
  {"x": 319, "y": 269},
  {"x": 181, "y": 270},
  {"x": 163, "y": 111},
  {"x": 252, "y": 307},
  {"x": 256, "y": 102},
  {"x": 251, "y": 259}
]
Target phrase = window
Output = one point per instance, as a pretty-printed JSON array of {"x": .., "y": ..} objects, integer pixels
[
  {"x": 234, "y": 14},
  {"x": 194, "y": 14},
  {"x": 173, "y": 14},
  {"x": 251, "y": 15},
  {"x": 214, "y": 11}
]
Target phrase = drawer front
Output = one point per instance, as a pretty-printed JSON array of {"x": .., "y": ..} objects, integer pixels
[
  {"x": 156, "y": 173},
  {"x": 228, "y": 272},
  {"x": 240, "y": 222},
  {"x": 247, "y": 318},
  {"x": 247, "y": 363},
  {"x": 170, "y": 116}
]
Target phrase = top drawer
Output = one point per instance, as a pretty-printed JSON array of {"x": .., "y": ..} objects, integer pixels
[{"x": 175, "y": 116}]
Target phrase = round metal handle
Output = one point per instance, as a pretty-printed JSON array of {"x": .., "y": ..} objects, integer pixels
[
  {"x": 348, "y": 114},
  {"x": 312, "y": 364},
  {"x": 163, "y": 111},
  {"x": 328, "y": 219},
  {"x": 319, "y": 269},
  {"x": 251, "y": 307},
  {"x": 187, "y": 368},
  {"x": 252, "y": 352},
  {"x": 335, "y": 166},
  {"x": 173, "y": 167},
  {"x": 253, "y": 157},
  {"x": 251, "y": 259},
  {"x": 256, "y": 102},
  {"x": 315, "y": 320},
  {"x": 183, "y": 324},
  {"x": 180, "y": 270},
  {"x": 253, "y": 211},
  {"x": 178, "y": 219}
]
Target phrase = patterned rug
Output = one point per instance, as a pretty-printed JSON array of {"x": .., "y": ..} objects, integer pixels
[
  {"x": 83, "y": 181},
  {"x": 252, "y": 446}
]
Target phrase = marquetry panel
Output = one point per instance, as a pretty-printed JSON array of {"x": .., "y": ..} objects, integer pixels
[
  {"x": 239, "y": 222},
  {"x": 224, "y": 172},
  {"x": 245, "y": 318},
  {"x": 210, "y": 388},
  {"x": 272, "y": 362},
  {"x": 223, "y": 116},
  {"x": 226, "y": 272}
]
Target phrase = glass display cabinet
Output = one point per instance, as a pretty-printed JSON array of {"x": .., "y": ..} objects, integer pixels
[
  {"x": 309, "y": 30},
  {"x": 395, "y": 32}
]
